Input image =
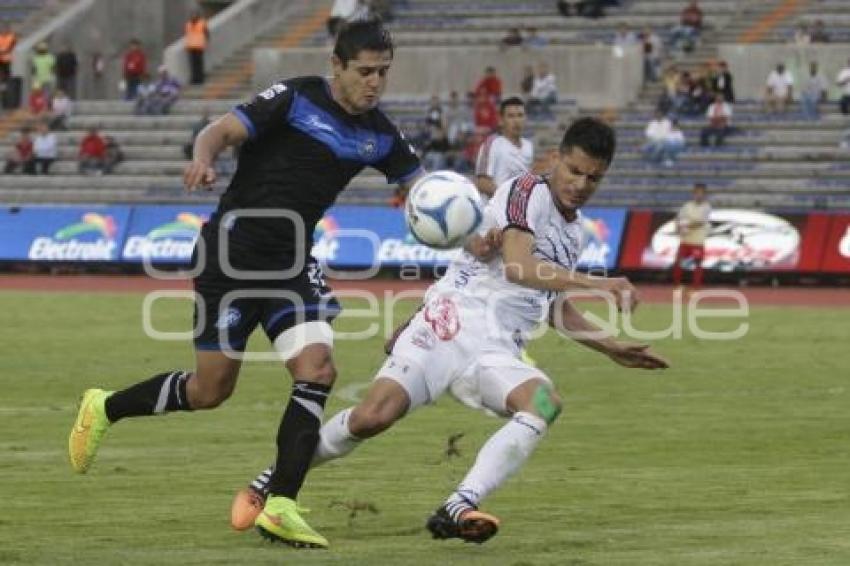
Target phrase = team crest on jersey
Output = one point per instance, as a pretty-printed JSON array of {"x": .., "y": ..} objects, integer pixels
[
  {"x": 229, "y": 318},
  {"x": 443, "y": 317},
  {"x": 424, "y": 339},
  {"x": 367, "y": 148}
]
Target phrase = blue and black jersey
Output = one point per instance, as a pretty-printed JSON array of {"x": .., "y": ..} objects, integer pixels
[{"x": 303, "y": 150}]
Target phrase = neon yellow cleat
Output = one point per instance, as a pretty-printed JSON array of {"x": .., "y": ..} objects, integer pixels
[
  {"x": 523, "y": 355},
  {"x": 88, "y": 430},
  {"x": 280, "y": 522}
]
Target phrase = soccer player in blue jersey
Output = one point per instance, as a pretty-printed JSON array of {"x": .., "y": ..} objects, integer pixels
[{"x": 302, "y": 140}]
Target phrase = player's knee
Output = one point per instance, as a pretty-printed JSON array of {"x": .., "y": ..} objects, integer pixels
[
  {"x": 315, "y": 366},
  {"x": 211, "y": 389},
  {"x": 546, "y": 403},
  {"x": 370, "y": 420}
]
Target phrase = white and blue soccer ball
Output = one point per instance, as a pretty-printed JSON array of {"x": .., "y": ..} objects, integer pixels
[{"x": 443, "y": 209}]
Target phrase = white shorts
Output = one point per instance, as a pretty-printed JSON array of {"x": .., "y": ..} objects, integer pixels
[{"x": 443, "y": 349}]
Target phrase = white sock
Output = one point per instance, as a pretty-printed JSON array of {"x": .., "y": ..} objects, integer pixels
[
  {"x": 502, "y": 456},
  {"x": 335, "y": 440}
]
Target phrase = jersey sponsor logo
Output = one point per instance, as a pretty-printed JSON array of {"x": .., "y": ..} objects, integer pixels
[
  {"x": 171, "y": 241},
  {"x": 737, "y": 239},
  {"x": 442, "y": 315},
  {"x": 229, "y": 318},
  {"x": 273, "y": 91},
  {"x": 316, "y": 122},
  {"x": 93, "y": 238}
]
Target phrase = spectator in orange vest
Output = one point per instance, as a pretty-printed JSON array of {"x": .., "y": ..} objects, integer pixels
[
  {"x": 196, "y": 37},
  {"x": 135, "y": 67},
  {"x": 8, "y": 40}
]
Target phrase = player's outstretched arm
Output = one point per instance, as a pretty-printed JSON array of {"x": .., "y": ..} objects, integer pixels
[
  {"x": 221, "y": 133},
  {"x": 522, "y": 268},
  {"x": 565, "y": 318}
]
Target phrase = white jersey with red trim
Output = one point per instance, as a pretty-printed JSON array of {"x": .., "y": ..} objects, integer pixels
[
  {"x": 525, "y": 204},
  {"x": 501, "y": 160}
]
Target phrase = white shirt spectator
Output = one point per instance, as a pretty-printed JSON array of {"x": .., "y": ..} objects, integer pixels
[
  {"x": 676, "y": 136},
  {"x": 724, "y": 111},
  {"x": 544, "y": 87},
  {"x": 44, "y": 146},
  {"x": 843, "y": 81},
  {"x": 501, "y": 160},
  {"x": 658, "y": 129},
  {"x": 780, "y": 83},
  {"x": 815, "y": 86},
  {"x": 625, "y": 39}
]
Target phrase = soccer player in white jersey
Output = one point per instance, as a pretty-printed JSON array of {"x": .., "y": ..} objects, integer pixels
[
  {"x": 506, "y": 155},
  {"x": 467, "y": 336}
]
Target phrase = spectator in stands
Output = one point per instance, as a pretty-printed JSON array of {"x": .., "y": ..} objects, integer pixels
[
  {"x": 527, "y": 81},
  {"x": 722, "y": 82},
  {"x": 682, "y": 103},
  {"x": 45, "y": 149},
  {"x": 92, "y": 155},
  {"x": 8, "y": 41},
  {"x": 162, "y": 95},
  {"x": 61, "y": 110},
  {"x": 21, "y": 155},
  {"x": 801, "y": 35},
  {"x": 485, "y": 113},
  {"x": 144, "y": 95},
  {"x": 843, "y": 81},
  {"x": 458, "y": 119},
  {"x": 196, "y": 36},
  {"x": 779, "y": 89},
  {"x": 39, "y": 102},
  {"x": 670, "y": 82},
  {"x": 490, "y": 84},
  {"x": 113, "y": 155},
  {"x": 652, "y": 53},
  {"x": 719, "y": 116},
  {"x": 533, "y": 40},
  {"x": 813, "y": 92},
  {"x": 44, "y": 68},
  {"x": 624, "y": 37},
  {"x": 819, "y": 33},
  {"x": 512, "y": 39},
  {"x": 684, "y": 36},
  {"x": 586, "y": 8},
  {"x": 434, "y": 114},
  {"x": 435, "y": 155},
  {"x": 702, "y": 95},
  {"x": 66, "y": 70},
  {"x": 544, "y": 93},
  {"x": 656, "y": 133},
  {"x": 674, "y": 144},
  {"x": 135, "y": 68},
  {"x": 196, "y": 129}
]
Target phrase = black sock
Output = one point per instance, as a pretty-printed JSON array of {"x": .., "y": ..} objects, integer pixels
[
  {"x": 160, "y": 394},
  {"x": 297, "y": 437}
]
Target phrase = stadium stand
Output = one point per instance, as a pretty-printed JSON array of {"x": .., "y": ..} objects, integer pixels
[{"x": 776, "y": 161}]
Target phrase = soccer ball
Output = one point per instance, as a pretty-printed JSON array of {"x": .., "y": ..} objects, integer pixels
[{"x": 443, "y": 209}]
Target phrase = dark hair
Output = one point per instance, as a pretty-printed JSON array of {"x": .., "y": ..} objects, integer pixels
[
  {"x": 361, "y": 35},
  {"x": 700, "y": 186},
  {"x": 512, "y": 101},
  {"x": 593, "y": 136}
]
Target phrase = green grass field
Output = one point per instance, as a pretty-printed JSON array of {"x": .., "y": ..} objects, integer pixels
[{"x": 737, "y": 455}]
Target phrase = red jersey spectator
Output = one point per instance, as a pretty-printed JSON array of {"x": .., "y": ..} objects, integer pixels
[
  {"x": 92, "y": 154},
  {"x": 21, "y": 155},
  {"x": 490, "y": 84},
  {"x": 485, "y": 113},
  {"x": 39, "y": 103},
  {"x": 135, "y": 66}
]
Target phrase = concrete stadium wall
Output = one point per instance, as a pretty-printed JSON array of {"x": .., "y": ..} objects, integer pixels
[
  {"x": 750, "y": 65},
  {"x": 104, "y": 27},
  {"x": 593, "y": 75},
  {"x": 232, "y": 29}
]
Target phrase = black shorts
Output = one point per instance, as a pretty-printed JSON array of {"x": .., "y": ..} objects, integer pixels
[{"x": 228, "y": 310}]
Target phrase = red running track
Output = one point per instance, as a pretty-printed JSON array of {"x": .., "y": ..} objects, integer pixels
[{"x": 797, "y": 296}]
